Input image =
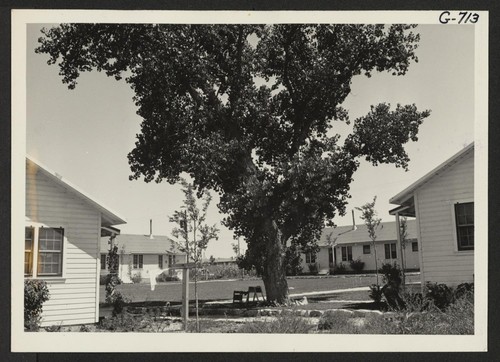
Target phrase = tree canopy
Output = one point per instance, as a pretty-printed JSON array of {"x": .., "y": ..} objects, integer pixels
[{"x": 250, "y": 111}]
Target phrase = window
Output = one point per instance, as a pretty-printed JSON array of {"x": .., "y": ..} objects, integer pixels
[
  {"x": 346, "y": 253},
  {"x": 414, "y": 246},
  {"x": 43, "y": 248},
  {"x": 330, "y": 255},
  {"x": 390, "y": 251},
  {"x": 366, "y": 249},
  {"x": 103, "y": 261},
  {"x": 137, "y": 261},
  {"x": 310, "y": 258},
  {"x": 160, "y": 261},
  {"x": 50, "y": 249},
  {"x": 29, "y": 234},
  {"x": 464, "y": 219},
  {"x": 171, "y": 260}
]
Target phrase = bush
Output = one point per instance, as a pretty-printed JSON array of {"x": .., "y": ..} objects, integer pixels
[
  {"x": 393, "y": 278},
  {"x": 313, "y": 268},
  {"x": 357, "y": 265},
  {"x": 338, "y": 322},
  {"x": 163, "y": 277},
  {"x": 136, "y": 278},
  {"x": 121, "y": 323},
  {"x": 35, "y": 294},
  {"x": 340, "y": 269},
  {"x": 440, "y": 294},
  {"x": 458, "y": 318},
  {"x": 464, "y": 289},
  {"x": 230, "y": 271},
  {"x": 375, "y": 293},
  {"x": 392, "y": 274},
  {"x": 284, "y": 323}
]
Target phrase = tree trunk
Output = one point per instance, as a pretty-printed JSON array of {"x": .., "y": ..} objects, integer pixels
[{"x": 274, "y": 276}]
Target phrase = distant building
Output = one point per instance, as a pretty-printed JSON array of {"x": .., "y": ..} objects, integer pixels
[
  {"x": 63, "y": 230},
  {"x": 443, "y": 204},
  {"x": 340, "y": 245},
  {"x": 140, "y": 253}
]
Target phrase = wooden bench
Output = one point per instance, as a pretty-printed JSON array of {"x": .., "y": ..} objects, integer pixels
[{"x": 239, "y": 294}]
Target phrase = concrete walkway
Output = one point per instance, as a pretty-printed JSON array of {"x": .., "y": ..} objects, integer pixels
[{"x": 326, "y": 292}]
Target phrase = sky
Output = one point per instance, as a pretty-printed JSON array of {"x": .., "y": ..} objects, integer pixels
[{"x": 85, "y": 134}]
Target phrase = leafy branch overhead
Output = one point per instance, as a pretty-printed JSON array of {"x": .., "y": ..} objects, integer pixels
[{"x": 250, "y": 111}]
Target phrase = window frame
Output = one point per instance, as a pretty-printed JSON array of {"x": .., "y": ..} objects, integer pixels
[
  {"x": 393, "y": 254},
  {"x": 456, "y": 227},
  {"x": 346, "y": 253},
  {"x": 414, "y": 246},
  {"x": 35, "y": 256},
  {"x": 160, "y": 261},
  {"x": 31, "y": 252},
  {"x": 103, "y": 264},
  {"x": 52, "y": 252},
  {"x": 369, "y": 249},
  {"x": 311, "y": 257},
  {"x": 139, "y": 264}
]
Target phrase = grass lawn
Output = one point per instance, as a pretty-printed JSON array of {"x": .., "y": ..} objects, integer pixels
[{"x": 223, "y": 289}]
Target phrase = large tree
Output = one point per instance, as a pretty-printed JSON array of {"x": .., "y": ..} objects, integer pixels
[{"x": 250, "y": 112}]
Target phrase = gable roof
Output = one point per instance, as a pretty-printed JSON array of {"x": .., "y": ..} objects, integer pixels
[
  {"x": 345, "y": 234},
  {"x": 141, "y": 244},
  {"x": 404, "y": 195},
  {"x": 108, "y": 217}
]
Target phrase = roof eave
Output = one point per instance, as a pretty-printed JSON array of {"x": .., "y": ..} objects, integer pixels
[
  {"x": 108, "y": 218},
  {"x": 408, "y": 192}
]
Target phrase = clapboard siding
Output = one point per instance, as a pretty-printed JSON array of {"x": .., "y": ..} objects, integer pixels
[
  {"x": 72, "y": 297},
  {"x": 441, "y": 262}
]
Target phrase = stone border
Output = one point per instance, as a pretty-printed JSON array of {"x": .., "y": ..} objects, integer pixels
[{"x": 253, "y": 312}]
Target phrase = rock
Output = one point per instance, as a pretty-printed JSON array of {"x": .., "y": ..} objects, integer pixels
[{"x": 315, "y": 313}]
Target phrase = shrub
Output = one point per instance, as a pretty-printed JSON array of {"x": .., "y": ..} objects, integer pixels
[
  {"x": 440, "y": 294},
  {"x": 392, "y": 277},
  {"x": 357, "y": 265},
  {"x": 163, "y": 277},
  {"x": 118, "y": 302},
  {"x": 292, "y": 261},
  {"x": 35, "y": 294},
  {"x": 340, "y": 269},
  {"x": 136, "y": 278},
  {"x": 375, "y": 293},
  {"x": 121, "y": 323},
  {"x": 464, "y": 289},
  {"x": 338, "y": 322},
  {"x": 230, "y": 271},
  {"x": 313, "y": 268},
  {"x": 391, "y": 274},
  {"x": 284, "y": 323}
]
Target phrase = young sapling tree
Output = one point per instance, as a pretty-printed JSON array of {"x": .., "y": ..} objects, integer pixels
[{"x": 192, "y": 234}]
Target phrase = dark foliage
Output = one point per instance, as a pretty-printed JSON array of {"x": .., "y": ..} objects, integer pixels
[
  {"x": 35, "y": 294},
  {"x": 357, "y": 265}
]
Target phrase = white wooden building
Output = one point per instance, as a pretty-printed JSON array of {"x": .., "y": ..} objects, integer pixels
[
  {"x": 138, "y": 254},
  {"x": 342, "y": 244},
  {"x": 442, "y": 202},
  {"x": 63, "y": 230}
]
